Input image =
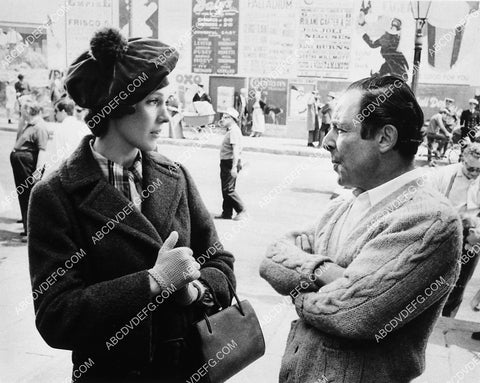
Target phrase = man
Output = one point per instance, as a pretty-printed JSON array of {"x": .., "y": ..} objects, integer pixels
[
  {"x": 326, "y": 112},
  {"x": 460, "y": 184},
  {"x": 241, "y": 108},
  {"x": 21, "y": 86},
  {"x": 470, "y": 119},
  {"x": 436, "y": 131},
  {"x": 450, "y": 119},
  {"x": 363, "y": 278},
  {"x": 230, "y": 166},
  {"x": 29, "y": 155},
  {"x": 201, "y": 95},
  {"x": 67, "y": 135}
]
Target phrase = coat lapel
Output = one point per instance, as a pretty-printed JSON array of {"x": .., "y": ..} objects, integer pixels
[
  {"x": 98, "y": 199},
  {"x": 162, "y": 187}
]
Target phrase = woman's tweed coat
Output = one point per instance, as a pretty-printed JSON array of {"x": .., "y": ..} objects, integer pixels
[{"x": 87, "y": 288}]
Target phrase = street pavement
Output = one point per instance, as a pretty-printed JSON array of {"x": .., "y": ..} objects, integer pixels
[{"x": 281, "y": 192}]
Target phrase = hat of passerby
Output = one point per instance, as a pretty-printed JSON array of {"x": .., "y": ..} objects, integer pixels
[
  {"x": 172, "y": 104},
  {"x": 331, "y": 94},
  {"x": 448, "y": 99},
  {"x": 117, "y": 71},
  {"x": 473, "y": 101},
  {"x": 232, "y": 113}
]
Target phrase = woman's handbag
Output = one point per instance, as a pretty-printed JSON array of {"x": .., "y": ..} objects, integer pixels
[{"x": 230, "y": 340}]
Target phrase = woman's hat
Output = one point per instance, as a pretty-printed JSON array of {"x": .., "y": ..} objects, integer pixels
[
  {"x": 232, "y": 113},
  {"x": 119, "y": 72},
  {"x": 473, "y": 101}
]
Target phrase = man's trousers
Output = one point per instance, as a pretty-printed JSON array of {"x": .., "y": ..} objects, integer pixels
[
  {"x": 231, "y": 199},
  {"x": 23, "y": 164}
]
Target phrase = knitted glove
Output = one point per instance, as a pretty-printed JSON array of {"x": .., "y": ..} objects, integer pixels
[{"x": 174, "y": 266}]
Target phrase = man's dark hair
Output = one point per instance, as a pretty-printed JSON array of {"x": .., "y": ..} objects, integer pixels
[
  {"x": 389, "y": 100},
  {"x": 20, "y": 77},
  {"x": 65, "y": 104}
]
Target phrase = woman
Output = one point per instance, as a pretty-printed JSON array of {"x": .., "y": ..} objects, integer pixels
[
  {"x": 120, "y": 232},
  {"x": 258, "y": 116}
]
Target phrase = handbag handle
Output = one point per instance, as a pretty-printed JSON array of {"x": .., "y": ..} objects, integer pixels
[{"x": 240, "y": 308}]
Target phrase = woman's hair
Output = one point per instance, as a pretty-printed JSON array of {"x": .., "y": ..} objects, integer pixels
[{"x": 97, "y": 120}]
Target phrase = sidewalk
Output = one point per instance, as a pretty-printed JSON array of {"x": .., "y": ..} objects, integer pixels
[{"x": 270, "y": 145}]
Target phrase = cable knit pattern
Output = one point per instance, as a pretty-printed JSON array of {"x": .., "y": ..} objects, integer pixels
[{"x": 400, "y": 247}]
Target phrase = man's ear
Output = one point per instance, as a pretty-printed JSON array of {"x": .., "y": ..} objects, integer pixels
[{"x": 387, "y": 137}]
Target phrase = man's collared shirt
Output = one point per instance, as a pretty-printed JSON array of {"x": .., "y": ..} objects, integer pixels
[
  {"x": 362, "y": 201},
  {"x": 33, "y": 137},
  {"x": 232, "y": 137},
  {"x": 464, "y": 193},
  {"x": 126, "y": 181}
]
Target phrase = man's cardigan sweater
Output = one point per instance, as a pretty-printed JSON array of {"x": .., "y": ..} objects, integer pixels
[{"x": 373, "y": 323}]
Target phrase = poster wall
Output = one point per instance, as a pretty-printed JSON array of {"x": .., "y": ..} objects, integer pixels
[
  {"x": 83, "y": 19},
  {"x": 215, "y": 37},
  {"x": 268, "y": 38},
  {"x": 325, "y": 39},
  {"x": 274, "y": 91}
]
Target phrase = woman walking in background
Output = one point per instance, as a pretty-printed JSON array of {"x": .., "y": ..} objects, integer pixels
[
  {"x": 145, "y": 268},
  {"x": 258, "y": 116},
  {"x": 10, "y": 100}
]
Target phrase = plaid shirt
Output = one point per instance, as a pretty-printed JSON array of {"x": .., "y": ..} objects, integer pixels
[{"x": 126, "y": 181}]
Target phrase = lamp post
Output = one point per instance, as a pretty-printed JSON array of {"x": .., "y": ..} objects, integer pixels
[{"x": 420, "y": 11}]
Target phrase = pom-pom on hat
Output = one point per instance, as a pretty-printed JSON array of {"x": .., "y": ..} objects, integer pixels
[{"x": 119, "y": 70}]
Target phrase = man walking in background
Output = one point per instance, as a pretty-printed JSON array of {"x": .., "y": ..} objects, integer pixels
[
  {"x": 67, "y": 135},
  {"x": 230, "y": 166}
]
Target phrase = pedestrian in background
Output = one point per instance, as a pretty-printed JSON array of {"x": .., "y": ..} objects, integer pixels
[
  {"x": 10, "y": 100},
  {"x": 436, "y": 132},
  {"x": 312, "y": 128},
  {"x": 470, "y": 120},
  {"x": 201, "y": 95},
  {"x": 258, "y": 115},
  {"x": 230, "y": 166},
  {"x": 145, "y": 267},
  {"x": 326, "y": 113},
  {"x": 28, "y": 156},
  {"x": 67, "y": 135},
  {"x": 241, "y": 106},
  {"x": 460, "y": 184}
]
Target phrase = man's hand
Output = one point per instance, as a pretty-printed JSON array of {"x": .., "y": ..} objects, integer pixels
[
  {"x": 234, "y": 172},
  {"x": 292, "y": 257},
  {"x": 305, "y": 242},
  {"x": 175, "y": 266}
]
